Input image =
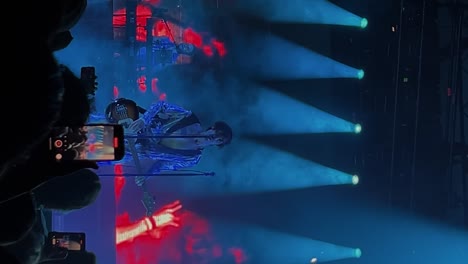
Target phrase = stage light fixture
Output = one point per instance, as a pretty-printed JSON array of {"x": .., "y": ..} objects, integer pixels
[
  {"x": 357, "y": 128},
  {"x": 364, "y": 23},
  {"x": 360, "y": 74},
  {"x": 355, "y": 179},
  {"x": 357, "y": 253}
]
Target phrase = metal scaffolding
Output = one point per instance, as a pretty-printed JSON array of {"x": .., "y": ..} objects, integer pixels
[
  {"x": 453, "y": 22},
  {"x": 415, "y": 127}
]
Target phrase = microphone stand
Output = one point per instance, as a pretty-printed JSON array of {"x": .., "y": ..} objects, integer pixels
[
  {"x": 166, "y": 136},
  {"x": 186, "y": 174}
]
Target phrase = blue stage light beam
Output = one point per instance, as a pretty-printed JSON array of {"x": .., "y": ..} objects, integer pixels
[
  {"x": 271, "y": 169},
  {"x": 248, "y": 167},
  {"x": 268, "y": 246},
  {"x": 274, "y": 58},
  {"x": 276, "y": 113},
  {"x": 251, "y": 167},
  {"x": 302, "y": 11},
  {"x": 385, "y": 235}
]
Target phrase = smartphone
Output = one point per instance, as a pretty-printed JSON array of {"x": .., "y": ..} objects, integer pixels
[
  {"x": 88, "y": 73},
  {"x": 97, "y": 142},
  {"x": 72, "y": 241}
]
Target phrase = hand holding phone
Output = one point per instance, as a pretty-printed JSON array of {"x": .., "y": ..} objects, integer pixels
[
  {"x": 88, "y": 77},
  {"x": 93, "y": 142},
  {"x": 73, "y": 241}
]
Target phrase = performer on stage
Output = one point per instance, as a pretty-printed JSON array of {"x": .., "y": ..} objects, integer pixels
[{"x": 185, "y": 141}]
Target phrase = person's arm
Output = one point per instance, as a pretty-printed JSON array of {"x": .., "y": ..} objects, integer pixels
[
  {"x": 129, "y": 232},
  {"x": 163, "y": 218}
]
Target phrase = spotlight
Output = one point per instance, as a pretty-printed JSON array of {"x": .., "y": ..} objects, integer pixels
[
  {"x": 355, "y": 181},
  {"x": 313, "y": 260},
  {"x": 364, "y": 23},
  {"x": 357, "y": 253},
  {"x": 360, "y": 74},
  {"x": 357, "y": 128}
]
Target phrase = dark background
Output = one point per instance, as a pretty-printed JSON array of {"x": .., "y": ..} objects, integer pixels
[{"x": 409, "y": 156}]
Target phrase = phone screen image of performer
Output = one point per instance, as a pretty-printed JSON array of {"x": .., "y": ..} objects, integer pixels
[
  {"x": 90, "y": 142},
  {"x": 100, "y": 143},
  {"x": 70, "y": 241}
]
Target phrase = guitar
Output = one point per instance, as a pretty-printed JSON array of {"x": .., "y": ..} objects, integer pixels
[{"x": 124, "y": 112}]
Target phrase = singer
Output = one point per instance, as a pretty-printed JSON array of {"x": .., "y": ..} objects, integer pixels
[{"x": 168, "y": 135}]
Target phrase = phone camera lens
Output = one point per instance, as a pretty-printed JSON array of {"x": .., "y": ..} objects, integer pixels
[{"x": 58, "y": 143}]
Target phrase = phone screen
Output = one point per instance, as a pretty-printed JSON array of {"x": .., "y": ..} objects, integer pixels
[
  {"x": 99, "y": 142},
  {"x": 68, "y": 240}
]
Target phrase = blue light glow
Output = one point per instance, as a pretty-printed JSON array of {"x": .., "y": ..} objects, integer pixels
[
  {"x": 355, "y": 180},
  {"x": 276, "y": 113},
  {"x": 357, "y": 253},
  {"x": 357, "y": 128},
  {"x": 281, "y": 171},
  {"x": 278, "y": 247},
  {"x": 301, "y": 11},
  {"x": 278, "y": 59},
  {"x": 360, "y": 74},
  {"x": 364, "y": 23},
  {"x": 248, "y": 171}
]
